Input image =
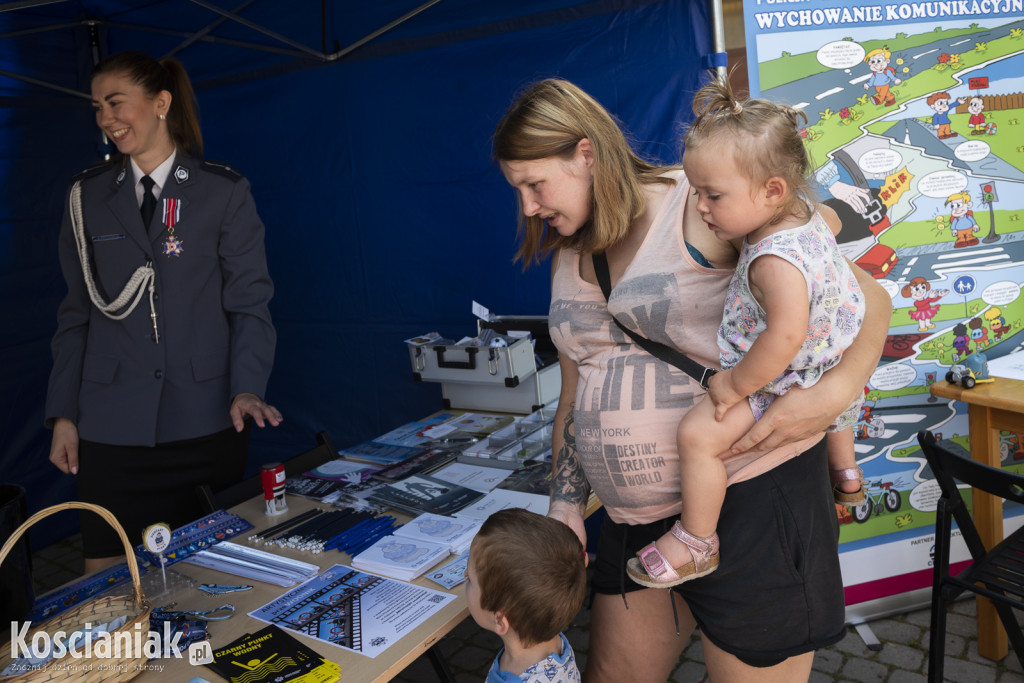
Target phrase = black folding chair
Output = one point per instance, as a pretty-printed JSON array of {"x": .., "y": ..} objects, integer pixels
[
  {"x": 324, "y": 451},
  {"x": 997, "y": 574}
]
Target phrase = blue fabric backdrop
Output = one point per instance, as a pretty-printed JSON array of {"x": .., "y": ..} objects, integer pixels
[{"x": 385, "y": 215}]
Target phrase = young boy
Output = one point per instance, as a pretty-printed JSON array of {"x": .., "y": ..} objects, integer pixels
[{"x": 525, "y": 581}]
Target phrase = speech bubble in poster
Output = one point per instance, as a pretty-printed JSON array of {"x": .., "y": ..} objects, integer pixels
[
  {"x": 879, "y": 160},
  {"x": 892, "y": 377},
  {"x": 1000, "y": 293},
  {"x": 941, "y": 184},
  {"x": 925, "y": 496},
  {"x": 972, "y": 150},
  {"x": 841, "y": 54}
]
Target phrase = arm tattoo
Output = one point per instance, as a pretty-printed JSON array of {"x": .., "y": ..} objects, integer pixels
[{"x": 569, "y": 483}]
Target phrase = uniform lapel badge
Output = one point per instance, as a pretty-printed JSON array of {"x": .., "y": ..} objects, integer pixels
[
  {"x": 180, "y": 174},
  {"x": 121, "y": 175},
  {"x": 171, "y": 215}
]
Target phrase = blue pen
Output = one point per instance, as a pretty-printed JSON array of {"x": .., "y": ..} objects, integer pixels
[
  {"x": 350, "y": 535},
  {"x": 371, "y": 531},
  {"x": 369, "y": 541},
  {"x": 354, "y": 530},
  {"x": 369, "y": 537}
]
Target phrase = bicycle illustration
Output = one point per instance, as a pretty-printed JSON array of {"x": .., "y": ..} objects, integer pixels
[{"x": 880, "y": 496}]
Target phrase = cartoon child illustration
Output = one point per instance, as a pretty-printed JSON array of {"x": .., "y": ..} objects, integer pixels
[
  {"x": 939, "y": 101},
  {"x": 979, "y": 335},
  {"x": 924, "y": 303},
  {"x": 996, "y": 322},
  {"x": 961, "y": 220},
  {"x": 977, "y": 121},
  {"x": 961, "y": 342},
  {"x": 882, "y": 76}
]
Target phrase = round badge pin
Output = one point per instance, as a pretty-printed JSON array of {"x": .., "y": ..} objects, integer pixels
[{"x": 156, "y": 537}]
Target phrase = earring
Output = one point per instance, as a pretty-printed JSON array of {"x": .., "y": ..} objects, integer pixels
[{"x": 163, "y": 116}]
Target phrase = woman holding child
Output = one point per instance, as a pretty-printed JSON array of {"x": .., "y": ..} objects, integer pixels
[{"x": 777, "y": 595}]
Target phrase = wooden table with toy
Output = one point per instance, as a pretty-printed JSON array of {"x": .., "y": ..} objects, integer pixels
[{"x": 992, "y": 406}]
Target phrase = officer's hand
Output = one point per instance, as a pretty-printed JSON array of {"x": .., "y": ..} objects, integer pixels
[
  {"x": 64, "y": 446},
  {"x": 253, "y": 406}
]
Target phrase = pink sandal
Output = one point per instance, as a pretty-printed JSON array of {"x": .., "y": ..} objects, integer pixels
[
  {"x": 649, "y": 568},
  {"x": 853, "y": 498}
]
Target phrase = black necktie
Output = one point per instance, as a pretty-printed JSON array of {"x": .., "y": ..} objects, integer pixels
[{"x": 148, "y": 200}]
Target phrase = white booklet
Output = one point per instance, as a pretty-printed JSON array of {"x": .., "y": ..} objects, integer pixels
[
  {"x": 399, "y": 557},
  {"x": 499, "y": 499},
  {"x": 481, "y": 478},
  {"x": 452, "y": 532}
]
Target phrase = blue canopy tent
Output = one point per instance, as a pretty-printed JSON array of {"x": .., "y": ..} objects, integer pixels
[{"x": 364, "y": 129}]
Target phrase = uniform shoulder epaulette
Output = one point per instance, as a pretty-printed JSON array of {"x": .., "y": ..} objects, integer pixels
[
  {"x": 220, "y": 168},
  {"x": 94, "y": 170}
]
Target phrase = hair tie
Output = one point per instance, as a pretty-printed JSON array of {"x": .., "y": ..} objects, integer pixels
[{"x": 737, "y": 108}]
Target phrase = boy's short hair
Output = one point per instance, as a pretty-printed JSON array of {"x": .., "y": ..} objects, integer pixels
[{"x": 531, "y": 569}]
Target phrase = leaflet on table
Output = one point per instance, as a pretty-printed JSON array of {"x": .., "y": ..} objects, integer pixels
[
  {"x": 421, "y": 462},
  {"x": 454, "y": 533},
  {"x": 481, "y": 478},
  {"x": 271, "y": 655},
  {"x": 378, "y": 452},
  {"x": 422, "y": 493},
  {"x": 400, "y": 557},
  {"x": 410, "y": 434},
  {"x": 323, "y": 490},
  {"x": 354, "y": 610},
  {"x": 534, "y": 477},
  {"x": 480, "y": 424},
  {"x": 343, "y": 470},
  {"x": 452, "y": 574},
  {"x": 500, "y": 499},
  {"x": 1010, "y": 366}
]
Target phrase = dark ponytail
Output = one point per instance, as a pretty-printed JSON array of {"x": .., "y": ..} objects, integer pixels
[{"x": 153, "y": 76}]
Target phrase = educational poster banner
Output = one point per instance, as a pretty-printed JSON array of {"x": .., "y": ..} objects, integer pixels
[{"x": 915, "y": 129}]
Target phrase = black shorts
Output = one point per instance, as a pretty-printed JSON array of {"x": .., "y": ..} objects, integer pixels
[
  {"x": 778, "y": 591},
  {"x": 144, "y": 485}
]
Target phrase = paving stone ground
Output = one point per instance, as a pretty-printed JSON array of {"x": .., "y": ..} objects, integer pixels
[{"x": 903, "y": 658}]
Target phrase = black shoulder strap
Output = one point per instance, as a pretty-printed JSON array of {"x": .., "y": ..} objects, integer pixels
[{"x": 656, "y": 349}]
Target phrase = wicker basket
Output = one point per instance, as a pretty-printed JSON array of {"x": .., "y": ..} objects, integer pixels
[{"x": 96, "y": 611}]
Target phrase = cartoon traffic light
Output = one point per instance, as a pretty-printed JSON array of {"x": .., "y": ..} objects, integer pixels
[
  {"x": 988, "y": 196},
  {"x": 988, "y": 193}
]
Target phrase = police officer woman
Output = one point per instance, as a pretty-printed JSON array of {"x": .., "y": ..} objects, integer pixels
[{"x": 164, "y": 343}]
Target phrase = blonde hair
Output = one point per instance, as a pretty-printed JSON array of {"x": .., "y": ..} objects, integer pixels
[
  {"x": 884, "y": 51},
  {"x": 958, "y": 196},
  {"x": 548, "y": 120},
  {"x": 762, "y": 137}
]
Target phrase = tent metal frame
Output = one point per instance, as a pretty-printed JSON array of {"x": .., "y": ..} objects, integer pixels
[{"x": 292, "y": 49}]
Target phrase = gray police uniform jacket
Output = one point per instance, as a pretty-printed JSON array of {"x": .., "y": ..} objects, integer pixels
[{"x": 216, "y": 340}]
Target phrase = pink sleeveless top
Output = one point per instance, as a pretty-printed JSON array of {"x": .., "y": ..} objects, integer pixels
[{"x": 628, "y": 403}]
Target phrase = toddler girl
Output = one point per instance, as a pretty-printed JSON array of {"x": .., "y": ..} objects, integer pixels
[{"x": 792, "y": 307}]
